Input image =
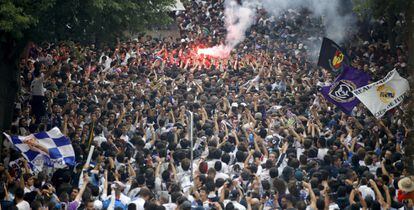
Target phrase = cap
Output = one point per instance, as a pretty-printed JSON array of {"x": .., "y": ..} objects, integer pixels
[
  {"x": 233, "y": 194},
  {"x": 299, "y": 175}
]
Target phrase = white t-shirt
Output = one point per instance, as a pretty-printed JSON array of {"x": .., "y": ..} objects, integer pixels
[
  {"x": 124, "y": 137},
  {"x": 221, "y": 175},
  {"x": 365, "y": 191},
  {"x": 98, "y": 204},
  {"x": 224, "y": 167},
  {"x": 237, "y": 205},
  {"x": 28, "y": 189},
  {"x": 170, "y": 206},
  {"x": 139, "y": 203},
  {"x": 265, "y": 175},
  {"x": 99, "y": 139},
  {"x": 211, "y": 163},
  {"x": 123, "y": 198},
  {"x": 184, "y": 180},
  {"x": 23, "y": 205},
  {"x": 322, "y": 152},
  {"x": 333, "y": 206},
  {"x": 373, "y": 168},
  {"x": 134, "y": 192},
  {"x": 37, "y": 86}
]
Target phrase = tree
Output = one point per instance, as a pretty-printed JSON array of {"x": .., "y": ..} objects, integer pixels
[
  {"x": 388, "y": 10},
  {"x": 87, "y": 21},
  {"x": 99, "y": 20}
]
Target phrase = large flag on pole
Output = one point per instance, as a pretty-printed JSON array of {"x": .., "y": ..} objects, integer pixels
[
  {"x": 383, "y": 95},
  {"x": 340, "y": 91},
  {"x": 332, "y": 57},
  {"x": 49, "y": 148}
]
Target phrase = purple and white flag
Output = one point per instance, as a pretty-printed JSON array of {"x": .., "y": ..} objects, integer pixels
[{"x": 340, "y": 91}]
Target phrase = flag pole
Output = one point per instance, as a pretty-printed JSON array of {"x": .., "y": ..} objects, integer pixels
[
  {"x": 91, "y": 135},
  {"x": 85, "y": 167},
  {"x": 88, "y": 160},
  {"x": 191, "y": 142}
]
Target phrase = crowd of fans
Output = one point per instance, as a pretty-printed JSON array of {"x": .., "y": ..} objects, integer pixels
[{"x": 264, "y": 137}]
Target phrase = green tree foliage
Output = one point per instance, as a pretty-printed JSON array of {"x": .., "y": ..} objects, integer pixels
[
  {"x": 380, "y": 8},
  {"x": 100, "y": 20},
  {"x": 18, "y": 16},
  {"x": 80, "y": 20}
]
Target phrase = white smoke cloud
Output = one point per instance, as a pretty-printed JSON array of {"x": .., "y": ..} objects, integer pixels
[
  {"x": 239, "y": 18},
  {"x": 336, "y": 25}
]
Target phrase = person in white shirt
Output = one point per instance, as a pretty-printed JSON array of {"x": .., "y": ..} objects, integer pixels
[
  {"x": 144, "y": 195},
  {"x": 99, "y": 138},
  {"x": 234, "y": 200},
  {"x": 184, "y": 176},
  {"x": 38, "y": 93},
  {"x": 225, "y": 160},
  {"x": 20, "y": 203},
  {"x": 322, "y": 150},
  {"x": 265, "y": 172},
  {"x": 365, "y": 190},
  {"x": 164, "y": 200},
  {"x": 28, "y": 183},
  {"x": 219, "y": 174}
]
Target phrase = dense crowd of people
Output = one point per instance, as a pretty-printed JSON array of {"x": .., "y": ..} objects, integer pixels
[{"x": 264, "y": 137}]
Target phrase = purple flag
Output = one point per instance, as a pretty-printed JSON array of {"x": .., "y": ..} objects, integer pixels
[{"x": 340, "y": 91}]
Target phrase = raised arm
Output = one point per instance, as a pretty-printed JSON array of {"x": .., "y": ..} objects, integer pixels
[
  {"x": 234, "y": 132},
  {"x": 387, "y": 196},
  {"x": 158, "y": 169},
  {"x": 246, "y": 162},
  {"x": 378, "y": 194},
  {"x": 131, "y": 171},
  {"x": 311, "y": 194},
  {"x": 105, "y": 187},
  {"x": 299, "y": 137},
  {"x": 172, "y": 116},
  {"x": 173, "y": 169},
  {"x": 83, "y": 188},
  {"x": 121, "y": 117}
]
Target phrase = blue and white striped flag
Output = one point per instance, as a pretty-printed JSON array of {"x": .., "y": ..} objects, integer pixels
[{"x": 49, "y": 148}]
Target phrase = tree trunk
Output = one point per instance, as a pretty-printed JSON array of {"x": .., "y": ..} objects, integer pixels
[
  {"x": 8, "y": 92},
  {"x": 409, "y": 151},
  {"x": 9, "y": 82}
]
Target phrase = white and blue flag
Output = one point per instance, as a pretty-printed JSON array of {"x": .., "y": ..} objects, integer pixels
[{"x": 49, "y": 148}]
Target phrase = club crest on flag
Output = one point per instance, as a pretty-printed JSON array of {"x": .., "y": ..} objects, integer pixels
[
  {"x": 336, "y": 61},
  {"x": 341, "y": 91},
  {"x": 383, "y": 95},
  {"x": 386, "y": 93},
  {"x": 332, "y": 57}
]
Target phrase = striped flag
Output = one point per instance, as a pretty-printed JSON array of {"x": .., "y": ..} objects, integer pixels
[{"x": 41, "y": 149}]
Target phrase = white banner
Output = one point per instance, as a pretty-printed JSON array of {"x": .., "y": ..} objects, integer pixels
[{"x": 383, "y": 95}]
